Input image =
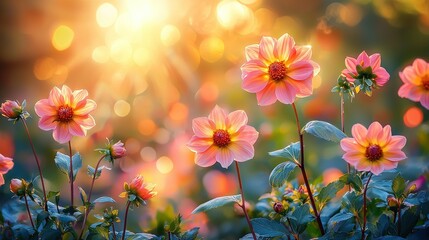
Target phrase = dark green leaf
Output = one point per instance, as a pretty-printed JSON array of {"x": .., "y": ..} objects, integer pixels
[
  {"x": 300, "y": 217},
  {"x": 41, "y": 217},
  {"x": 398, "y": 186},
  {"x": 49, "y": 233},
  {"x": 341, "y": 222},
  {"x": 217, "y": 202},
  {"x": 352, "y": 179},
  {"x": 190, "y": 234},
  {"x": 410, "y": 217},
  {"x": 290, "y": 152},
  {"x": 52, "y": 194},
  {"x": 268, "y": 228},
  {"x": 329, "y": 192},
  {"x": 324, "y": 130},
  {"x": 91, "y": 171},
  {"x": 104, "y": 199},
  {"x": 352, "y": 202},
  {"x": 281, "y": 173},
  {"x": 63, "y": 163},
  {"x": 64, "y": 218}
]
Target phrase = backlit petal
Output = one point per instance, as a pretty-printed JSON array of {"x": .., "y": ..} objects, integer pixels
[
  {"x": 396, "y": 143},
  {"x": 86, "y": 121},
  {"x": 283, "y": 47},
  {"x": 56, "y": 98},
  {"x": 375, "y": 60},
  {"x": 47, "y": 123},
  {"x": 384, "y": 136},
  {"x": 242, "y": 150},
  {"x": 197, "y": 144},
  {"x": 394, "y": 155},
  {"x": 353, "y": 157},
  {"x": 218, "y": 116},
  {"x": 252, "y": 52},
  {"x": 420, "y": 67},
  {"x": 236, "y": 120},
  {"x": 424, "y": 100},
  {"x": 351, "y": 64},
  {"x": 225, "y": 157},
  {"x": 43, "y": 108},
  {"x": 75, "y": 129},
  {"x": 206, "y": 158},
  {"x": 255, "y": 81},
  {"x": 373, "y": 130},
  {"x": 266, "y": 49},
  {"x": 359, "y": 132},
  {"x": 61, "y": 133},
  {"x": 246, "y": 133},
  {"x": 268, "y": 95},
  {"x": 285, "y": 92},
  {"x": 87, "y": 108},
  {"x": 300, "y": 70},
  {"x": 203, "y": 127}
]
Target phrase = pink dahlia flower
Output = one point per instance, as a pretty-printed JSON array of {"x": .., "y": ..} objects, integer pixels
[
  {"x": 416, "y": 82},
  {"x": 11, "y": 109},
  {"x": 367, "y": 71},
  {"x": 223, "y": 138},
  {"x": 276, "y": 69},
  {"x": 117, "y": 150},
  {"x": 373, "y": 149},
  {"x": 65, "y": 112},
  {"x": 6, "y": 164}
]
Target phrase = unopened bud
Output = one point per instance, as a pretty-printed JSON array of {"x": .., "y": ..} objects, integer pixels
[
  {"x": 278, "y": 207},
  {"x": 392, "y": 202},
  {"x": 17, "y": 186}
]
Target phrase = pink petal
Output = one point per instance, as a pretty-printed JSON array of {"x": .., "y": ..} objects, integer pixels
[
  {"x": 364, "y": 165},
  {"x": 349, "y": 144},
  {"x": 86, "y": 121},
  {"x": 285, "y": 92},
  {"x": 268, "y": 95},
  {"x": 424, "y": 100},
  {"x": 1, "y": 179},
  {"x": 412, "y": 92},
  {"x": 47, "y": 123},
  {"x": 6, "y": 165},
  {"x": 396, "y": 143},
  {"x": 85, "y": 109},
  {"x": 75, "y": 129},
  {"x": 382, "y": 76},
  {"x": 79, "y": 95},
  {"x": 254, "y": 65},
  {"x": 206, "y": 158},
  {"x": 283, "y": 47},
  {"x": 242, "y": 150},
  {"x": 252, "y": 52},
  {"x": 351, "y": 64},
  {"x": 203, "y": 127},
  {"x": 55, "y": 97},
  {"x": 359, "y": 132},
  {"x": 218, "y": 116},
  {"x": 43, "y": 108},
  {"x": 373, "y": 130},
  {"x": 246, "y": 133},
  {"x": 384, "y": 136},
  {"x": 304, "y": 88},
  {"x": 363, "y": 60},
  {"x": 254, "y": 82},
  {"x": 66, "y": 92},
  {"x": 316, "y": 67},
  {"x": 375, "y": 60},
  {"x": 61, "y": 134},
  {"x": 236, "y": 120},
  {"x": 353, "y": 157},
  {"x": 394, "y": 155},
  {"x": 420, "y": 67},
  {"x": 376, "y": 168},
  {"x": 302, "y": 53},
  {"x": 300, "y": 70},
  {"x": 199, "y": 145},
  {"x": 388, "y": 165},
  {"x": 225, "y": 157},
  {"x": 266, "y": 49},
  {"x": 409, "y": 75}
]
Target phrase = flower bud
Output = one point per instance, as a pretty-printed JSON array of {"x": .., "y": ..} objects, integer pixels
[
  {"x": 17, "y": 186},
  {"x": 278, "y": 207},
  {"x": 117, "y": 150},
  {"x": 11, "y": 109},
  {"x": 417, "y": 184},
  {"x": 392, "y": 202}
]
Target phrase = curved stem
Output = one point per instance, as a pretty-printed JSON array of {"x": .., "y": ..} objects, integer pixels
[
  {"x": 45, "y": 199},
  {"x": 304, "y": 174},
  {"x": 243, "y": 202},
  {"x": 87, "y": 210},
  {"x": 71, "y": 175},
  {"x": 343, "y": 129},
  {"x": 28, "y": 211},
  {"x": 125, "y": 220},
  {"x": 399, "y": 218},
  {"x": 113, "y": 231},
  {"x": 364, "y": 207}
]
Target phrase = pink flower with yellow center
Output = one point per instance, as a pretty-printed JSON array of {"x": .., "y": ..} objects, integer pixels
[
  {"x": 222, "y": 138},
  {"x": 373, "y": 149},
  {"x": 366, "y": 72},
  {"x": 276, "y": 69},
  {"x": 416, "y": 82},
  {"x": 6, "y": 164},
  {"x": 65, "y": 112}
]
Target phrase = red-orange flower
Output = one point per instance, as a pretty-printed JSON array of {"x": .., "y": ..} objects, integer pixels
[
  {"x": 373, "y": 149},
  {"x": 65, "y": 112},
  {"x": 138, "y": 191}
]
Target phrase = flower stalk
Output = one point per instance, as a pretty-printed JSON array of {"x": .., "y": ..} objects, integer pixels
[
  {"x": 125, "y": 219},
  {"x": 243, "y": 202},
  {"x": 364, "y": 206},
  {"x": 28, "y": 211},
  {"x": 71, "y": 176},
  {"x": 304, "y": 174}
]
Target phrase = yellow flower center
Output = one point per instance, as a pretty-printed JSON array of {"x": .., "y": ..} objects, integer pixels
[
  {"x": 65, "y": 113},
  {"x": 373, "y": 153},
  {"x": 277, "y": 71},
  {"x": 221, "y": 138}
]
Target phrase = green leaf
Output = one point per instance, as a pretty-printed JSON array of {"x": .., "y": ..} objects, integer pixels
[
  {"x": 281, "y": 173},
  {"x": 190, "y": 234},
  {"x": 329, "y": 192},
  {"x": 290, "y": 152},
  {"x": 42, "y": 216},
  {"x": 410, "y": 217},
  {"x": 398, "y": 186},
  {"x": 341, "y": 222},
  {"x": 324, "y": 130},
  {"x": 104, "y": 199},
  {"x": 83, "y": 195},
  {"x": 91, "y": 171},
  {"x": 268, "y": 228},
  {"x": 49, "y": 233},
  {"x": 352, "y": 179},
  {"x": 64, "y": 218},
  {"x": 217, "y": 202},
  {"x": 63, "y": 163},
  {"x": 300, "y": 217},
  {"x": 352, "y": 202}
]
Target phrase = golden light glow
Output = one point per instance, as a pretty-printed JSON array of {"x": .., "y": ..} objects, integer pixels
[
  {"x": 232, "y": 14},
  {"x": 317, "y": 82},
  {"x": 44, "y": 68},
  {"x": 147, "y": 127},
  {"x": 148, "y": 154},
  {"x": 211, "y": 49},
  {"x": 62, "y": 37},
  {"x": 106, "y": 15},
  {"x": 142, "y": 57},
  {"x": 164, "y": 165},
  {"x": 170, "y": 35},
  {"x": 121, "y": 108},
  {"x": 100, "y": 54},
  {"x": 121, "y": 51}
]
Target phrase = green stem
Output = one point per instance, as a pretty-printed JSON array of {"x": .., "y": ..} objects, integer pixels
[
  {"x": 45, "y": 200},
  {"x": 243, "y": 202},
  {"x": 28, "y": 211},
  {"x": 304, "y": 174},
  {"x": 71, "y": 175},
  {"x": 364, "y": 207},
  {"x": 114, "y": 231},
  {"x": 343, "y": 129},
  {"x": 125, "y": 220}
]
